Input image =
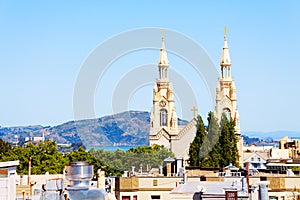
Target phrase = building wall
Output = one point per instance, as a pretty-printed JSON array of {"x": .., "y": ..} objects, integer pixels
[
  {"x": 180, "y": 147},
  {"x": 280, "y": 183},
  {"x": 147, "y": 195},
  {"x": 279, "y": 153},
  {"x": 145, "y": 187},
  {"x": 8, "y": 183},
  {"x": 291, "y": 195}
]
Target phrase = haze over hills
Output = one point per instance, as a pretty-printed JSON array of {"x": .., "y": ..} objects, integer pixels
[
  {"x": 272, "y": 134},
  {"x": 129, "y": 128}
]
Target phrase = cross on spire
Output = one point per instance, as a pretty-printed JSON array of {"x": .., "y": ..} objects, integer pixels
[
  {"x": 163, "y": 62},
  {"x": 225, "y": 32},
  {"x": 195, "y": 111},
  {"x": 225, "y": 59},
  {"x": 163, "y": 34}
]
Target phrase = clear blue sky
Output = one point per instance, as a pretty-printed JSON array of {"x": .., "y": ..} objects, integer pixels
[{"x": 44, "y": 43}]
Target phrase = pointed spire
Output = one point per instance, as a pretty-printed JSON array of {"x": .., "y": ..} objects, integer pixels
[
  {"x": 163, "y": 59},
  {"x": 225, "y": 59}
]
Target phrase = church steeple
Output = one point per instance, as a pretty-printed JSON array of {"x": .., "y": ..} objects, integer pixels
[
  {"x": 225, "y": 62},
  {"x": 163, "y": 120},
  {"x": 226, "y": 98},
  {"x": 163, "y": 63}
]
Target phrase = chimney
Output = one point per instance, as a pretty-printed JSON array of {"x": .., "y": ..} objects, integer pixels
[
  {"x": 100, "y": 179},
  {"x": 132, "y": 169},
  {"x": 185, "y": 177},
  {"x": 263, "y": 190},
  {"x": 29, "y": 170},
  {"x": 247, "y": 176},
  {"x": 160, "y": 169}
]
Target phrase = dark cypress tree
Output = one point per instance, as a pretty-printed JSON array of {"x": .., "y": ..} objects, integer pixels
[
  {"x": 234, "y": 150},
  {"x": 212, "y": 150},
  {"x": 213, "y": 130},
  {"x": 195, "y": 146},
  {"x": 227, "y": 142}
]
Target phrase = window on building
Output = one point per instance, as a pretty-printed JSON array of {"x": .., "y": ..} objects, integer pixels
[
  {"x": 163, "y": 117},
  {"x": 258, "y": 159},
  {"x": 135, "y": 197},
  {"x": 155, "y": 196},
  {"x": 252, "y": 159},
  {"x": 227, "y": 113},
  {"x": 125, "y": 197},
  {"x": 155, "y": 182}
]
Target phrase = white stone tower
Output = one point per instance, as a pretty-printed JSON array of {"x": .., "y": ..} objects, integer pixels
[
  {"x": 226, "y": 99},
  {"x": 163, "y": 119}
]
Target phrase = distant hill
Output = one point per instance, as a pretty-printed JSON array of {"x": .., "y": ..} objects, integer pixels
[
  {"x": 250, "y": 140},
  {"x": 129, "y": 128}
]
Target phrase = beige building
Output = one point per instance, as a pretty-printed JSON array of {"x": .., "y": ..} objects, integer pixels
[
  {"x": 164, "y": 129},
  {"x": 145, "y": 188},
  {"x": 211, "y": 186},
  {"x": 226, "y": 99},
  {"x": 292, "y": 145}
]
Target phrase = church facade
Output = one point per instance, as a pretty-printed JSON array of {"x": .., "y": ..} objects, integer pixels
[{"x": 164, "y": 129}]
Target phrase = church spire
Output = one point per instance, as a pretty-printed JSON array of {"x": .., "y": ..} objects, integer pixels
[
  {"x": 225, "y": 59},
  {"x": 163, "y": 63},
  {"x": 225, "y": 62}
]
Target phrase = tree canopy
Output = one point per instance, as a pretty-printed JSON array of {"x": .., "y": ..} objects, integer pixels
[
  {"x": 141, "y": 156},
  {"x": 45, "y": 157},
  {"x": 195, "y": 146}
]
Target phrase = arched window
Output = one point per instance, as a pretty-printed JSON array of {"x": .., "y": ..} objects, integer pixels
[
  {"x": 163, "y": 117},
  {"x": 227, "y": 113}
]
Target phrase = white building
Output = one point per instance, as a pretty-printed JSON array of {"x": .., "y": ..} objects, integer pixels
[
  {"x": 256, "y": 160},
  {"x": 8, "y": 179}
]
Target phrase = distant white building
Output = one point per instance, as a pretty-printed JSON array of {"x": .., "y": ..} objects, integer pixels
[{"x": 253, "y": 148}]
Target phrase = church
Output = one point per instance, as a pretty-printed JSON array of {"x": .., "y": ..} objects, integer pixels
[{"x": 164, "y": 129}]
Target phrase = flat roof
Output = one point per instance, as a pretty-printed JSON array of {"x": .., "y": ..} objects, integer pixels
[
  {"x": 9, "y": 163},
  {"x": 283, "y": 164}
]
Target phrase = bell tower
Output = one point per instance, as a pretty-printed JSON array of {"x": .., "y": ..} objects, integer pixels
[
  {"x": 226, "y": 99},
  {"x": 163, "y": 119}
]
